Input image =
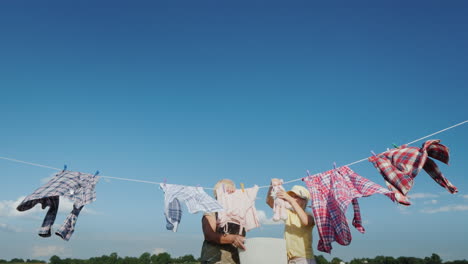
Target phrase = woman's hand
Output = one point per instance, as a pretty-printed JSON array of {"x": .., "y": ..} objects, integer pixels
[{"x": 238, "y": 242}]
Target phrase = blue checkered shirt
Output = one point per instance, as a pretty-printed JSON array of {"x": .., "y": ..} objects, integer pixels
[
  {"x": 195, "y": 199},
  {"x": 76, "y": 186}
]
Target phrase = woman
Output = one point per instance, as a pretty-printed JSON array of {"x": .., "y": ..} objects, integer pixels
[{"x": 221, "y": 244}]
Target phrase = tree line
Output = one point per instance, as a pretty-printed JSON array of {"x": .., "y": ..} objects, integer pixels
[{"x": 165, "y": 258}]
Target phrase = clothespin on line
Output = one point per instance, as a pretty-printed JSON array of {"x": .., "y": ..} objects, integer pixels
[
  {"x": 395, "y": 146},
  {"x": 64, "y": 167},
  {"x": 373, "y": 153},
  {"x": 242, "y": 186}
]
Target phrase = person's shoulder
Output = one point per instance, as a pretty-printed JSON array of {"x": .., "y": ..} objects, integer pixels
[{"x": 212, "y": 214}]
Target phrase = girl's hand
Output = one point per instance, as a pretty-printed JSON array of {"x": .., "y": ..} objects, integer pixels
[{"x": 284, "y": 195}]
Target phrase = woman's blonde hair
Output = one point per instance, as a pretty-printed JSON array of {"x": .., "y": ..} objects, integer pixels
[{"x": 220, "y": 183}]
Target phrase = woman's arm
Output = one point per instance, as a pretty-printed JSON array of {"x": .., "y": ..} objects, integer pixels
[{"x": 209, "y": 231}]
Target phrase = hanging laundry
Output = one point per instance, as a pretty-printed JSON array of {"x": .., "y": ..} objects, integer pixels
[
  {"x": 400, "y": 166},
  {"x": 195, "y": 199},
  {"x": 280, "y": 206},
  {"x": 174, "y": 215},
  {"x": 331, "y": 193},
  {"x": 76, "y": 186},
  {"x": 239, "y": 208}
]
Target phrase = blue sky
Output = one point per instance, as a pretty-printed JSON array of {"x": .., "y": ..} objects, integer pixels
[{"x": 197, "y": 91}]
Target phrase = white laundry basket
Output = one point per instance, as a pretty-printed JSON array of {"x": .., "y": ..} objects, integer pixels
[{"x": 265, "y": 250}]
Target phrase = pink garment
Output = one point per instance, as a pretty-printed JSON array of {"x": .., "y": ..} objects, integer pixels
[
  {"x": 331, "y": 192},
  {"x": 239, "y": 208},
  {"x": 280, "y": 206}
]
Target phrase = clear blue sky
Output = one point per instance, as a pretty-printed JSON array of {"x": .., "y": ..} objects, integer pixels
[{"x": 196, "y": 91}]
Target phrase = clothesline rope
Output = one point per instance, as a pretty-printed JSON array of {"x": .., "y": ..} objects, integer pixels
[
  {"x": 265, "y": 186},
  {"x": 361, "y": 160}
]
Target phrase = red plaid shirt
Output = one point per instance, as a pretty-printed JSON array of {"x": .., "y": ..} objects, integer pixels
[
  {"x": 331, "y": 192},
  {"x": 400, "y": 166}
]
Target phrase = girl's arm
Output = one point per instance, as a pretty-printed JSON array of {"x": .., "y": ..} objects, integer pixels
[{"x": 306, "y": 219}]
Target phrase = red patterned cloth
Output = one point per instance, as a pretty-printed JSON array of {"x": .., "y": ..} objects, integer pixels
[
  {"x": 331, "y": 192},
  {"x": 400, "y": 166}
]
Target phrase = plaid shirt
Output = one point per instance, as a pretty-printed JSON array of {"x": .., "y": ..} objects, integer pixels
[
  {"x": 400, "y": 166},
  {"x": 331, "y": 192},
  {"x": 76, "y": 186},
  {"x": 194, "y": 197}
]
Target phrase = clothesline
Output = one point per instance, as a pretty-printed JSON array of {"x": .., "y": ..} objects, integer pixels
[{"x": 265, "y": 186}]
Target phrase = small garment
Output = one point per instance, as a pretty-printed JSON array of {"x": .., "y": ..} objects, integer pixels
[
  {"x": 280, "y": 206},
  {"x": 76, "y": 186},
  {"x": 195, "y": 199},
  {"x": 239, "y": 208},
  {"x": 331, "y": 192},
  {"x": 400, "y": 166}
]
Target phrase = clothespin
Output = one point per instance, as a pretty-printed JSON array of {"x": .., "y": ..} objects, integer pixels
[
  {"x": 373, "y": 153},
  {"x": 308, "y": 175},
  {"x": 164, "y": 181},
  {"x": 64, "y": 167},
  {"x": 334, "y": 165},
  {"x": 395, "y": 146},
  {"x": 242, "y": 186},
  {"x": 95, "y": 174}
]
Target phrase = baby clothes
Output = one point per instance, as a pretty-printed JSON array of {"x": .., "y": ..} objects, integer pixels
[
  {"x": 400, "y": 166},
  {"x": 280, "y": 206},
  {"x": 331, "y": 192},
  {"x": 239, "y": 208},
  {"x": 195, "y": 199},
  {"x": 76, "y": 186}
]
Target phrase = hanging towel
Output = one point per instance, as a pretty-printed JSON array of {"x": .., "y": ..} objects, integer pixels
[
  {"x": 239, "y": 208},
  {"x": 195, "y": 199},
  {"x": 400, "y": 166},
  {"x": 76, "y": 186},
  {"x": 331, "y": 192}
]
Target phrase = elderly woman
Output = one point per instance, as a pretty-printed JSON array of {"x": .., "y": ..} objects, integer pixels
[{"x": 220, "y": 245}]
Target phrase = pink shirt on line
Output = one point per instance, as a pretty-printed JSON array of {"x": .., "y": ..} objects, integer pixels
[{"x": 239, "y": 208}]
